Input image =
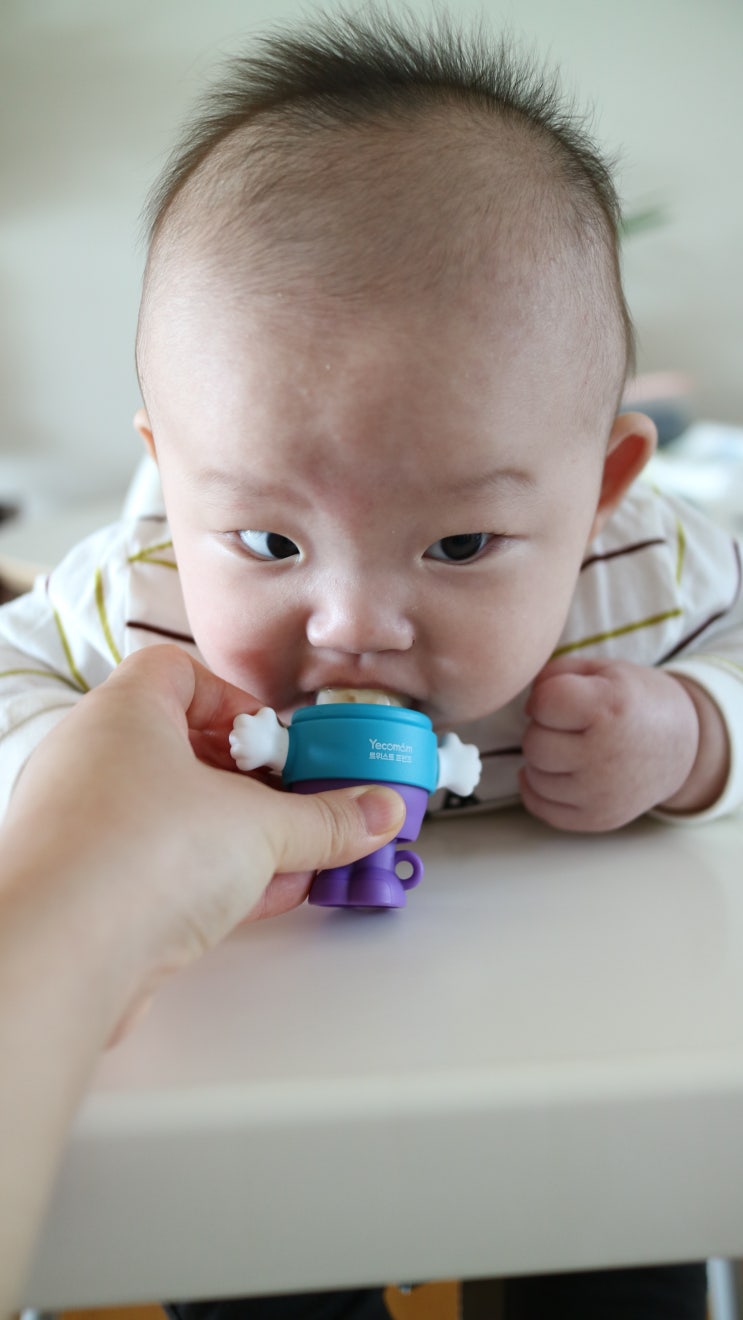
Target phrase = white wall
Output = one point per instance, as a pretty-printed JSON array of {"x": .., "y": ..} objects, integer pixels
[{"x": 92, "y": 91}]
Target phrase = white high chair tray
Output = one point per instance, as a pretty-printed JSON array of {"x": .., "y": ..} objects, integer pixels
[{"x": 537, "y": 1065}]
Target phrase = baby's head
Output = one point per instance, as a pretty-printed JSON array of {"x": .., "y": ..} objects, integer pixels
[{"x": 382, "y": 344}]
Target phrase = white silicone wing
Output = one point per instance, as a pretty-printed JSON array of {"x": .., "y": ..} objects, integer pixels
[
  {"x": 259, "y": 741},
  {"x": 460, "y": 766}
]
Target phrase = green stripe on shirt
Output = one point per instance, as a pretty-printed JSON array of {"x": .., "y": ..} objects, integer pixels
[{"x": 651, "y": 622}]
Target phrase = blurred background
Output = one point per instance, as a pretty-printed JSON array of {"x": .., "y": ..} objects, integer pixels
[{"x": 92, "y": 93}]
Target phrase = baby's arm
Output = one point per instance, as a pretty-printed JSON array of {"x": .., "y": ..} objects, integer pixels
[
  {"x": 35, "y": 692},
  {"x": 610, "y": 740},
  {"x": 644, "y": 708},
  {"x": 56, "y": 642}
]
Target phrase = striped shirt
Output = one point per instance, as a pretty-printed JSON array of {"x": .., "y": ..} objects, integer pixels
[{"x": 660, "y": 586}]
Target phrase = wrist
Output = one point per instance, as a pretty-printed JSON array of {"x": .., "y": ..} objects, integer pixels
[
  {"x": 65, "y": 914},
  {"x": 709, "y": 773},
  {"x": 62, "y": 993}
]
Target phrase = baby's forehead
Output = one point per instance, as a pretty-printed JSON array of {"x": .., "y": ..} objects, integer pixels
[
  {"x": 313, "y": 372},
  {"x": 434, "y": 205}
]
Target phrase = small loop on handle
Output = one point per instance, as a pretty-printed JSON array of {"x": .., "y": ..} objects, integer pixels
[{"x": 412, "y": 859}]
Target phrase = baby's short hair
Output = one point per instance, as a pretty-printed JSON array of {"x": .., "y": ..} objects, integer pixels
[{"x": 300, "y": 89}]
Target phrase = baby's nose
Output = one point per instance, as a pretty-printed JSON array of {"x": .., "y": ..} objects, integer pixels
[{"x": 358, "y": 621}]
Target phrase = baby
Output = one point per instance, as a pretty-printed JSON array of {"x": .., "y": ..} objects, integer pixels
[{"x": 382, "y": 346}]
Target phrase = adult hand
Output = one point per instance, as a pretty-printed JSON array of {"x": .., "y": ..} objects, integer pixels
[{"x": 177, "y": 850}]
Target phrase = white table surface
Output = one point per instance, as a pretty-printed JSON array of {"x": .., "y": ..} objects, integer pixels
[{"x": 538, "y": 1064}]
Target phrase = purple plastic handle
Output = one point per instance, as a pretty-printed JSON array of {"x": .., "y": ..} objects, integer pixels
[{"x": 373, "y": 881}]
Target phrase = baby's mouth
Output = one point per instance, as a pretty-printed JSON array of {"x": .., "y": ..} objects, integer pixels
[{"x": 350, "y": 696}]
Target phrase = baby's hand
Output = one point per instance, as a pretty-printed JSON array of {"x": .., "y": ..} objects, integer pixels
[{"x": 606, "y": 742}]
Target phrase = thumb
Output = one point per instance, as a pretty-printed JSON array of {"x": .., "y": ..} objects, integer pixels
[{"x": 317, "y": 830}]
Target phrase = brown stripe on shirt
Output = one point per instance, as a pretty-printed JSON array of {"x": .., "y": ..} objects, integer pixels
[
  {"x": 160, "y": 632},
  {"x": 623, "y": 550}
]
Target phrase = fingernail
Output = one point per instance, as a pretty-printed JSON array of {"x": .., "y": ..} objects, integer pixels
[{"x": 382, "y": 809}]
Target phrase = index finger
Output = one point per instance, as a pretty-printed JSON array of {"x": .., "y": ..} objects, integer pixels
[{"x": 205, "y": 702}]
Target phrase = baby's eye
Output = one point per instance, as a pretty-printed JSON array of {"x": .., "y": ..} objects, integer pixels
[
  {"x": 459, "y": 549},
  {"x": 268, "y": 545}
]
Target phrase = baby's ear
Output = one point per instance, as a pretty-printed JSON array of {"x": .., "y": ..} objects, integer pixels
[
  {"x": 142, "y": 424},
  {"x": 631, "y": 445}
]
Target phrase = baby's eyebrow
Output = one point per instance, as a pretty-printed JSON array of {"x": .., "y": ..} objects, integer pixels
[
  {"x": 516, "y": 478},
  {"x": 217, "y": 481}
]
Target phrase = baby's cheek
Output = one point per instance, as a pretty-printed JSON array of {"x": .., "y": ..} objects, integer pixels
[
  {"x": 237, "y": 665},
  {"x": 250, "y": 659},
  {"x": 505, "y": 663},
  {"x": 223, "y": 647}
]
